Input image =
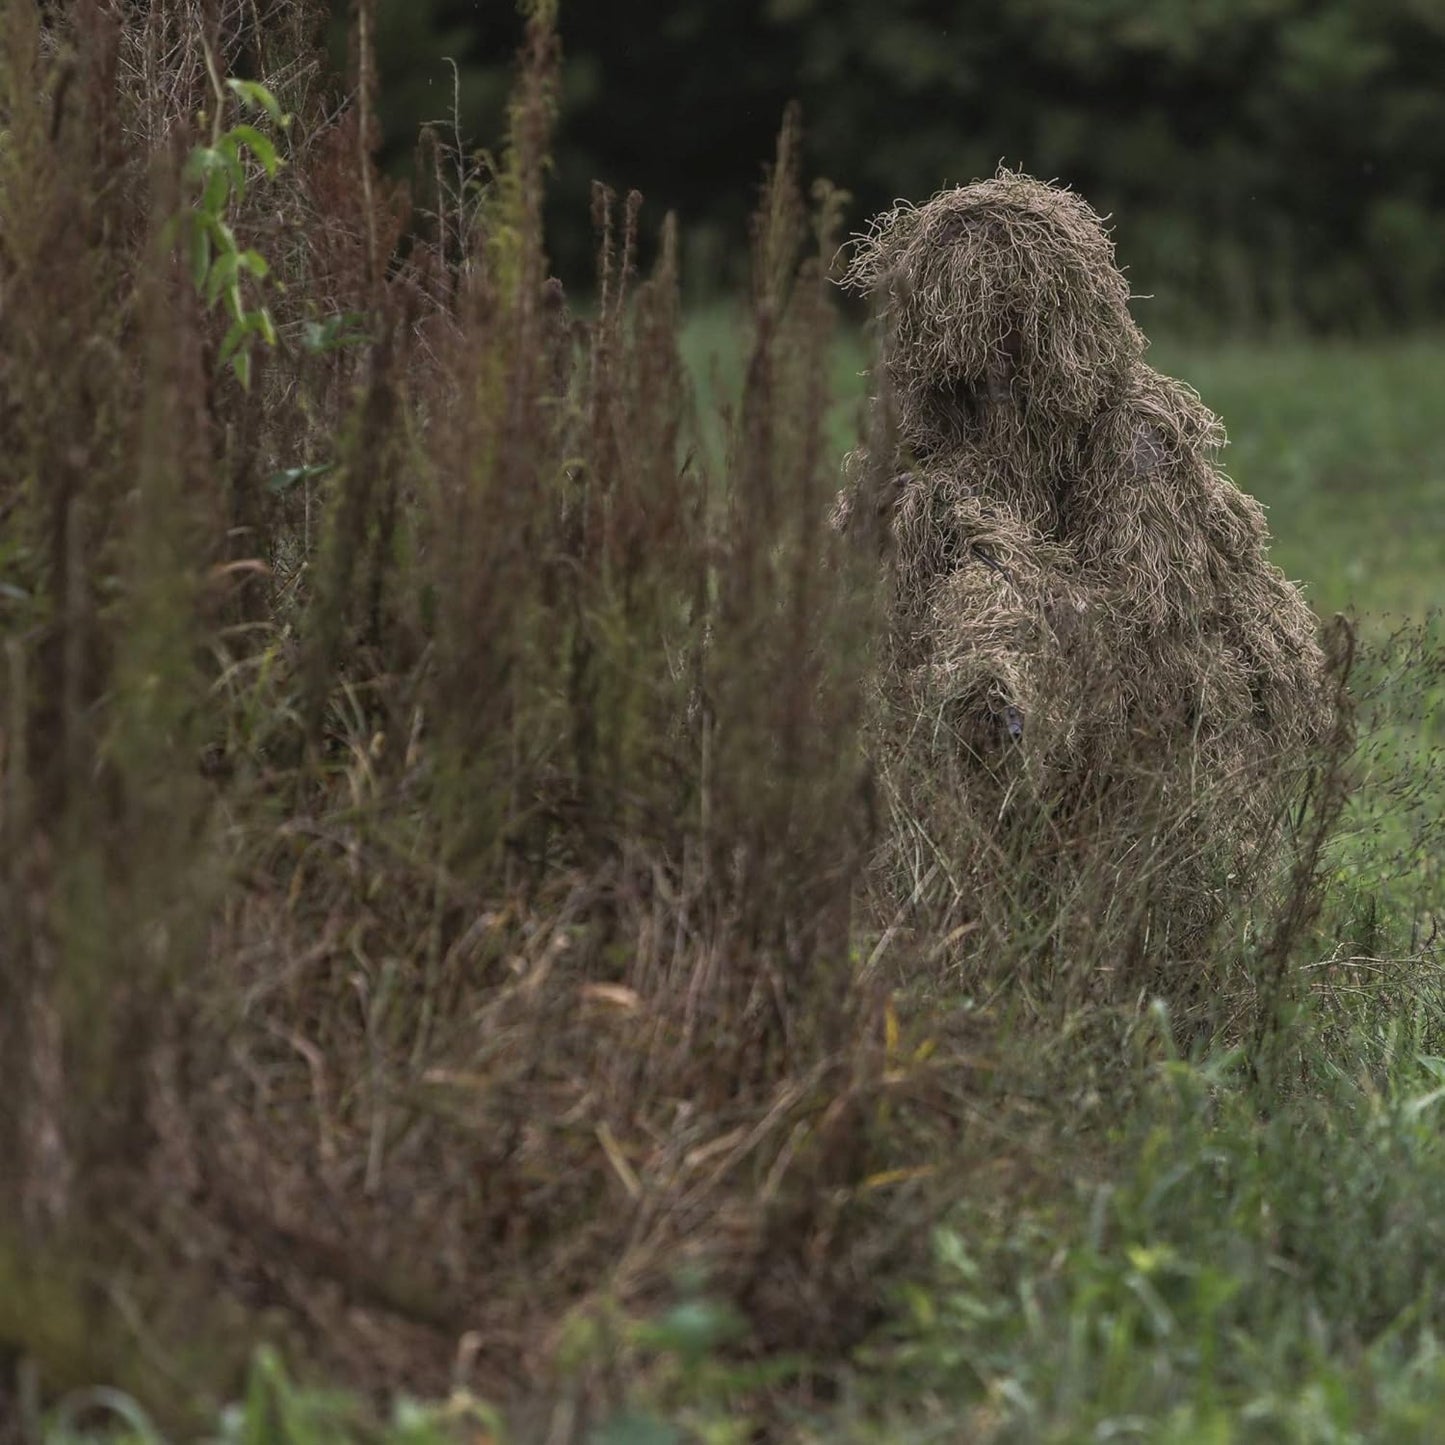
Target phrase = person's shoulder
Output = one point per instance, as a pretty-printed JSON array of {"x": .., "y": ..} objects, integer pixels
[{"x": 1153, "y": 423}]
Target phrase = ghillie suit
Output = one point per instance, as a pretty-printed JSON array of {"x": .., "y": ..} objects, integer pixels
[{"x": 1080, "y": 595}]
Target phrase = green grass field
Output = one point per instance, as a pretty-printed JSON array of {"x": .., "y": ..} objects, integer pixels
[
  {"x": 1340, "y": 441},
  {"x": 1210, "y": 1266}
]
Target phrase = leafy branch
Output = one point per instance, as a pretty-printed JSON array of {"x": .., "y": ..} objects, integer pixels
[{"x": 218, "y": 172}]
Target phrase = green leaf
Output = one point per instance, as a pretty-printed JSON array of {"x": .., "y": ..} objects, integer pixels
[
  {"x": 248, "y": 324},
  {"x": 235, "y": 335},
  {"x": 255, "y": 263},
  {"x": 198, "y": 164},
  {"x": 220, "y": 233},
  {"x": 217, "y": 194},
  {"x": 347, "y": 328},
  {"x": 258, "y": 145},
  {"x": 198, "y": 250},
  {"x": 283, "y": 481},
  {"x": 240, "y": 329},
  {"x": 241, "y": 365},
  {"x": 220, "y": 169},
  {"x": 222, "y": 275},
  {"x": 252, "y": 93},
  {"x": 230, "y": 152}
]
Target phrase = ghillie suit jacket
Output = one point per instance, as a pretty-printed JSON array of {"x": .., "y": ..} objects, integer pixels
[{"x": 1076, "y": 583}]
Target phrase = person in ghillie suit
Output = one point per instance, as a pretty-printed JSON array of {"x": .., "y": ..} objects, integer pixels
[{"x": 1075, "y": 579}]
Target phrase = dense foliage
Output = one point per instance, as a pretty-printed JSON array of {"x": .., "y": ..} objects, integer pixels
[{"x": 1270, "y": 160}]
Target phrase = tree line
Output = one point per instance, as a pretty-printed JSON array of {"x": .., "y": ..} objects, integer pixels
[{"x": 1267, "y": 161}]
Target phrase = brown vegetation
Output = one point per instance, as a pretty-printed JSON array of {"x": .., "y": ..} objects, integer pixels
[{"x": 435, "y": 797}]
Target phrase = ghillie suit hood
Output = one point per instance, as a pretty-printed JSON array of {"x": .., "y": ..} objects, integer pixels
[
  {"x": 1007, "y": 327},
  {"x": 1079, "y": 592}
]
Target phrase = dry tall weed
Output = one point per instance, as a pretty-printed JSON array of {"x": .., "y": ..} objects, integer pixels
[{"x": 434, "y": 800}]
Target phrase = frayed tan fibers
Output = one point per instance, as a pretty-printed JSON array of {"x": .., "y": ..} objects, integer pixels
[{"x": 1077, "y": 585}]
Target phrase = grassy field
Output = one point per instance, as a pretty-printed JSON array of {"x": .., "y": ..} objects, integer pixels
[
  {"x": 1206, "y": 1257},
  {"x": 1210, "y": 1264},
  {"x": 1337, "y": 439},
  {"x": 444, "y": 772}
]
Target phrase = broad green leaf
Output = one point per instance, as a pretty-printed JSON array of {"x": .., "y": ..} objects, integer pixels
[
  {"x": 254, "y": 94},
  {"x": 259, "y": 146},
  {"x": 222, "y": 276},
  {"x": 235, "y": 307},
  {"x": 218, "y": 165},
  {"x": 246, "y": 324},
  {"x": 217, "y": 193},
  {"x": 221, "y": 234}
]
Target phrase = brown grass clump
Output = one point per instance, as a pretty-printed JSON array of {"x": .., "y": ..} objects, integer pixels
[{"x": 1081, "y": 595}]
